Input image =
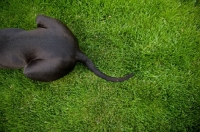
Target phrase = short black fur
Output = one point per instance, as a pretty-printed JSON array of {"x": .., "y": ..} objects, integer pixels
[{"x": 46, "y": 53}]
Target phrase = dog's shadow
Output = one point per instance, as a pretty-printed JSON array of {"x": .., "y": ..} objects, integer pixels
[
  {"x": 15, "y": 78},
  {"x": 79, "y": 30},
  {"x": 78, "y": 27}
]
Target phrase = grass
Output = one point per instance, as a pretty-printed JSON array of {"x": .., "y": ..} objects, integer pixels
[{"x": 158, "y": 40}]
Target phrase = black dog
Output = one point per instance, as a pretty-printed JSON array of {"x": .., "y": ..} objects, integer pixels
[{"x": 46, "y": 53}]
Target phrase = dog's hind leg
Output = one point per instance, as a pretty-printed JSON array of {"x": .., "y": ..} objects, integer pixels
[
  {"x": 51, "y": 23},
  {"x": 47, "y": 70}
]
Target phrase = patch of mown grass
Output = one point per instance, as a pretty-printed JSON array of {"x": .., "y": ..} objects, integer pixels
[{"x": 156, "y": 39}]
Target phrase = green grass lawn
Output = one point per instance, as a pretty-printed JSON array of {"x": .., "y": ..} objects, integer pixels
[{"x": 158, "y": 40}]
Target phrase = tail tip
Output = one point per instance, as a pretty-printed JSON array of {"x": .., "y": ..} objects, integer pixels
[{"x": 123, "y": 78}]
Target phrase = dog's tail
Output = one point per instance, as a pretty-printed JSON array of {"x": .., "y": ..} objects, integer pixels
[{"x": 85, "y": 60}]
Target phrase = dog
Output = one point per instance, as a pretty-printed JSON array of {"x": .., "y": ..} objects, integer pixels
[{"x": 46, "y": 53}]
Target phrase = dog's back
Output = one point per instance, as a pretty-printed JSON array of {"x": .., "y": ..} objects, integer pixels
[{"x": 46, "y": 53}]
